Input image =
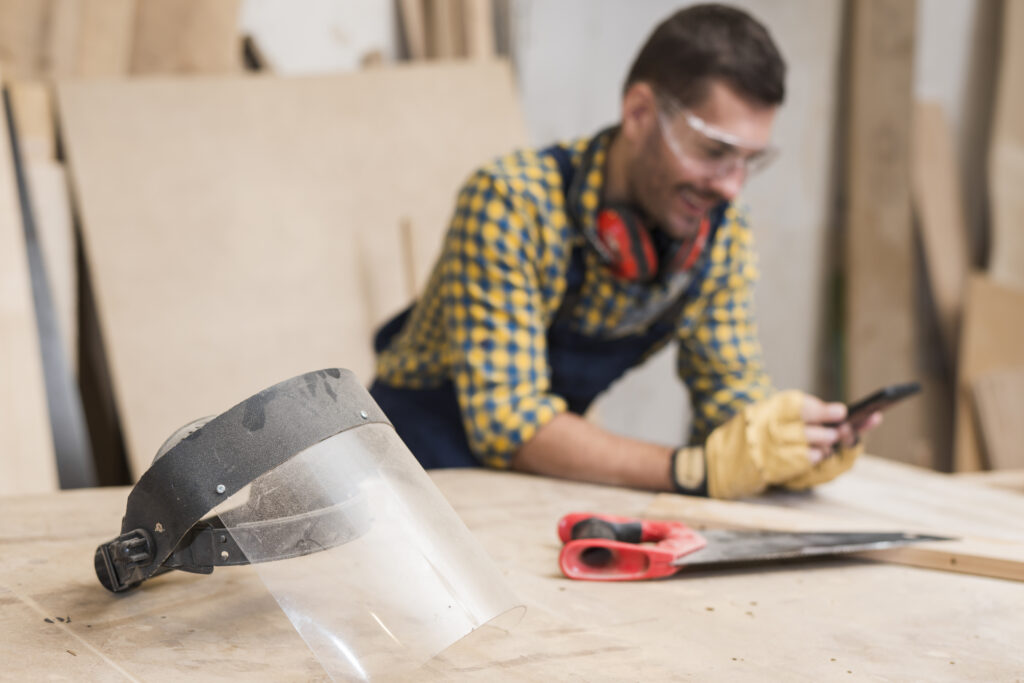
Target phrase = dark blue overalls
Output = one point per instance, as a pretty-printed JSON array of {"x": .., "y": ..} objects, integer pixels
[{"x": 429, "y": 420}]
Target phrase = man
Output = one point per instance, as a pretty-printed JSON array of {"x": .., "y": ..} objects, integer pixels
[{"x": 564, "y": 267}]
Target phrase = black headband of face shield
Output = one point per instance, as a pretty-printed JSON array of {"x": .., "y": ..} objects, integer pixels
[{"x": 162, "y": 527}]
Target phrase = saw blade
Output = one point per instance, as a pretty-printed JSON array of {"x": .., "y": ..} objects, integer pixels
[{"x": 743, "y": 547}]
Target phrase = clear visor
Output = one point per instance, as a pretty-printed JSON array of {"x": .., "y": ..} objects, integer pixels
[{"x": 381, "y": 573}]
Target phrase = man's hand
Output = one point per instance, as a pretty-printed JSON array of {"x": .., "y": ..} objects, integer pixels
[
  {"x": 825, "y": 429},
  {"x": 791, "y": 439}
]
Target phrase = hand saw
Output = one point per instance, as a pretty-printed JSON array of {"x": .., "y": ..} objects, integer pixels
[{"x": 609, "y": 548}]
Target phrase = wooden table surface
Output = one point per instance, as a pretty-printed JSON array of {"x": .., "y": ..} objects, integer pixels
[{"x": 827, "y": 620}]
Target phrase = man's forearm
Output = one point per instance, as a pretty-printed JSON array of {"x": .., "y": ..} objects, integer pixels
[{"x": 570, "y": 447}]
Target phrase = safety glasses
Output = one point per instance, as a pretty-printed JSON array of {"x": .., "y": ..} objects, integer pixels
[{"x": 708, "y": 150}]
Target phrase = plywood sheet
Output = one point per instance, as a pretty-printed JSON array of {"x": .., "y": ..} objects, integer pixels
[
  {"x": 1006, "y": 155},
  {"x": 243, "y": 230},
  {"x": 27, "y": 462},
  {"x": 940, "y": 217},
  {"x": 51, "y": 207},
  {"x": 187, "y": 36},
  {"x": 33, "y": 113},
  {"x": 993, "y": 338},
  {"x": 881, "y": 339},
  {"x": 999, "y": 409}
]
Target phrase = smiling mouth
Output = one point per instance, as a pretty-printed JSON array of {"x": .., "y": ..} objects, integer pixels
[{"x": 696, "y": 203}]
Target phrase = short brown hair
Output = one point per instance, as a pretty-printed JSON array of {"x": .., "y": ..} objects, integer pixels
[{"x": 704, "y": 42}]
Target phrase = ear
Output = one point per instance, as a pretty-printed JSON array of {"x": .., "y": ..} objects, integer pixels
[{"x": 639, "y": 112}]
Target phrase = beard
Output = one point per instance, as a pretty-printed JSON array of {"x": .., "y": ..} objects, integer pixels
[{"x": 669, "y": 201}]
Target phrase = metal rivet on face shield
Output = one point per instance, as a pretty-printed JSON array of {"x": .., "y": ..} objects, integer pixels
[
  {"x": 363, "y": 414},
  {"x": 224, "y": 554},
  {"x": 221, "y": 488}
]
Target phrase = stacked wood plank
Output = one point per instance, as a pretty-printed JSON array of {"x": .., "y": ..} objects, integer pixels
[
  {"x": 448, "y": 29},
  {"x": 90, "y": 38}
]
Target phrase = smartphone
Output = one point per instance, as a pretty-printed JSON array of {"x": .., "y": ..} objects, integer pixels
[{"x": 858, "y": 411}]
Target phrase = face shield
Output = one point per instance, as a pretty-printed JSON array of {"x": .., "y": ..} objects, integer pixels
[{"x": 309, "y": 482}]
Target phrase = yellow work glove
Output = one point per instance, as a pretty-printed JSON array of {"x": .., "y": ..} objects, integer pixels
[
  {"x": 765, "y": 445},
  {"x": 828, "y": 469}
]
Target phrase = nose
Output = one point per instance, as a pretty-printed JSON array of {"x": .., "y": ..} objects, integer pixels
[{"x": 728, "y": 185}]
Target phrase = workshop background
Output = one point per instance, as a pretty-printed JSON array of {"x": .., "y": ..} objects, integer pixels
[{"x": 201, "y": 198}]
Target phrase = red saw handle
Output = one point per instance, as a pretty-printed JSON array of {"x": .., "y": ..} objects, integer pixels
[{"x": 608, "y": 548}]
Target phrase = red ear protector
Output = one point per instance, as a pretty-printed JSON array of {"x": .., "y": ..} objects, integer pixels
[{"x": 620, "y": 237}]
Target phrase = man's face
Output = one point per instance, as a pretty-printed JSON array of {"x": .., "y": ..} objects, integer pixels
[{"x": 687, "y": 161}]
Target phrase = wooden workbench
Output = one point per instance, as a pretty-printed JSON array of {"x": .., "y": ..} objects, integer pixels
[{"x": 828, "y": 620}]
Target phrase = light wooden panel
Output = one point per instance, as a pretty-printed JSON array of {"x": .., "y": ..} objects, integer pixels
[
  {"x": 879, "y": 495},
  {"x": 940, "y": 213},
  {"x": 32, "y": 102},
  {"x": 243, "y": 230},
  {"x": 27, "y": 461},
  {"x": 33, "y": 112},
  {"x": 414, "y": 27},
  {"x": 814, "y": 622},
  {"x": 478, "y": 17},
  {"x": 999, "y": 410},
  {"x": 90, "y": 38},
  {"x": 879, "y": 286},
  {"x": 22, "y": 37},
  {"x": 1006, "y": 155},
  {"x": 187, "y": 36},
  {"x": 993, "y": 338},
  {"x": 51, "y": 207},
  {"x": 1007, "y": 480}
]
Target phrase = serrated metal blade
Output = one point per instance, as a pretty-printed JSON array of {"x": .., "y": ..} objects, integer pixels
[{"x": 741, "y": 547}]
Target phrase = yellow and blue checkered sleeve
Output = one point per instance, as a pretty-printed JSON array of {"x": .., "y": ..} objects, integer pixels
[
  {"x": 495, "y": 312},
  {"x": 720, "y": 357}
]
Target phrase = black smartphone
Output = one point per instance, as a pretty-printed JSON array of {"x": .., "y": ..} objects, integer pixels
[{"x": 858, "y": 411}]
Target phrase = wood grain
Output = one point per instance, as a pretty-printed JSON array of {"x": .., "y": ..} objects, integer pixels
[
  {"x": 993, "y": 338},
  {"x": 883, "y": 496},
  {"x": 187, "y": 36},
  {"x": 241, "y": 231},
  {"x": 940, "y": 218},
  {"x": 881, "y": 336},
  {"x": 27, "y": 460},
  {"x": 825, "y": 618},
  {"x": 1006, "y": 154},
  {"x": 999, "y": 407}
]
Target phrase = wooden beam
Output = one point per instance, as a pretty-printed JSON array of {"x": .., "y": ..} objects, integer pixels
[
  {"x": 1006, "y": 154},
  {"x": 879, "y": 249},
  {"x": 940, "y": 218},
  {"x": 444, "y": 29},
  {"x": 478, "y": 21},
  {"x": 414, "y": 27}
]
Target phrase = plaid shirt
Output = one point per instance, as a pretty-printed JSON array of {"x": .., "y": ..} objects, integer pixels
[{"x": 482, "y": 321}]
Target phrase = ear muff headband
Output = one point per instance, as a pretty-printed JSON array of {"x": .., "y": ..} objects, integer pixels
[{"x": 619, "y": 235}]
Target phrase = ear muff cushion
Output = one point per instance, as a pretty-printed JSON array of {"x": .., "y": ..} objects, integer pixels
[{"x": 621, "y": 232}]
